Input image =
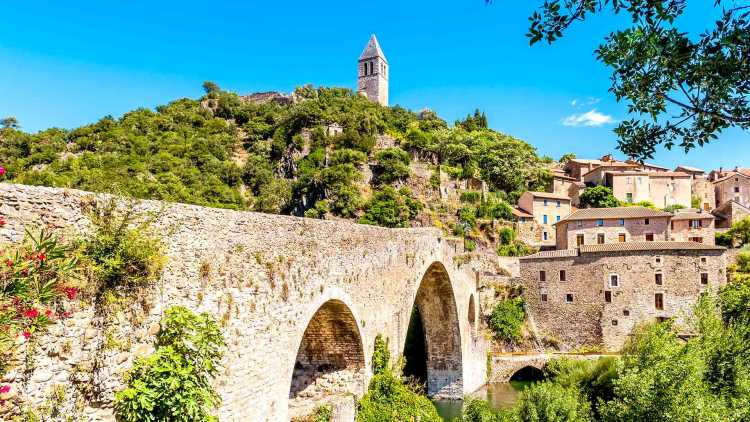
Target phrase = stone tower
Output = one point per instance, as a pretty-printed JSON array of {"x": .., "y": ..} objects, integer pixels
[{"x": 373, "y": 73}]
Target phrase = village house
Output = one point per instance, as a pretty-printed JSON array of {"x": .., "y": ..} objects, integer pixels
[
  {"x": 702, "y": 190},
  {"x": 598, "y": 226},
  {"x": 547, "y": 209},
  {"x": 733, "y": 186},
  {"x": 692, "y": 225},
  {"x": 597, "y": 294},
  {"x": 729, "y": 213},
  {"x": 562, "y": 184}
]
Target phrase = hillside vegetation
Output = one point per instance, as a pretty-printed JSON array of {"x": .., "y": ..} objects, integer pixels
[{"x": 223, "y": 150}]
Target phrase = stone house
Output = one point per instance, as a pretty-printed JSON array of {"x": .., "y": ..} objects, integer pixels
[
  {"x": 597, "y": 294},
  {"x": 597, "y": 226},
  {"x": 670, "y": 188},
  {"x": 547, "y": 209},
  {"x": 701, "y": 187},
  {"x": 734, "y": 186},
  {"x": 562, "y": 184},
  {"x": 691, "y": 225},
  {"x": 729, "y": 213},
  {"x": 662, "y": 188}
]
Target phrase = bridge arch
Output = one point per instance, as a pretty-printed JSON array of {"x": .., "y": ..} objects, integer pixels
[
  {"x": 528, "y": 373},
  {"x": 432, "y": 346},
  {"x": 330, "y": 359}
]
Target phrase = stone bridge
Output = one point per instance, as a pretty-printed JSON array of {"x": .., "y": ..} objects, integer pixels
[
  {"x": 300, "y": 302},
  {"x": 507, "y": 366}
]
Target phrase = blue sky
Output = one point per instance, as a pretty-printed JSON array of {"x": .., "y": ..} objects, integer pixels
[{"x": 69, "y": 63}]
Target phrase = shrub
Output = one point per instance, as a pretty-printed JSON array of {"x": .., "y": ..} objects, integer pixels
[
  {"x": 724, "y": 239},
  {"x": 598, "y": 197},
  {"x": 507, "y": 318},
  {"x": 470, "y": 245},
  {"x": 391, "y": 208},
  {"x": 393, "y": 165},
  {"x": 740, "y": 231},
  {"x": 122, "y": 250},
  {"x": 673, "y": 208},
  {"x": 471, "y": 197},
  {"x": 174, "y": 383},
  {"x": 468, "y": 216},
  {"x": 550, "y": 402},
  {"x": 381, "y": 356},
  {"x": 388, "y": 398}
]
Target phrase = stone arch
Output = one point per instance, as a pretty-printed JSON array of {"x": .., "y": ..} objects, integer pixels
[
  {"x": 527, "y": 373},
  {"x": 436, "y": 314},
  {"x": 330, "y": 359}
]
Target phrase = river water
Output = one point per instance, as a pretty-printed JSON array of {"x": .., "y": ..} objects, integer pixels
[{"x": 500, "y": 395}]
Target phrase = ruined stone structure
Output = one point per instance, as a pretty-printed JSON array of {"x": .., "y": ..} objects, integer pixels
[
  {"x": 597, "y": 294},
  {"x": 373, "y": 73},
  {"x": 300, "y": 303}
]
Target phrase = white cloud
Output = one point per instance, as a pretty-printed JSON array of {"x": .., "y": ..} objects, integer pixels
[
  {"x": 590, "y": 118},
  {"x": 589, "y": 101}
]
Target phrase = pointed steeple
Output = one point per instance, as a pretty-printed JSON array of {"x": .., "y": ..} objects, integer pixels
[{"x": 372, "y": 50}]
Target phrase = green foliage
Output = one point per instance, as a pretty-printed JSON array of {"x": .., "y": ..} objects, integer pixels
[
  {"x": 381, "y": 357},
  {"x": 724, "y": 239},
  {"x": 476, "y": 122},
  {"x": 695, "y": 202},
  {"x": 566, "y": 157},
  {"x": 468, "y": 217},
  {"x": 507, "y": 319},
  {"x": 593, "y": 378},
  {"x": 740, "y": 270},
  {"x": 598, "y": 197},
  {"x": 174, "y": 383},
  {"x": 388, "y": 398},
  {"x": 673, "y": 208},
  {"x": 471, "y": 197},
  {"x": 740, "y": 232},
  {"x": 470, "y": 245},
  {"x": 393, "y": 165},
  {"x": 121, "y": 250},
  {"x": 551, "y": 402},
  {"x": 476, "y": 410},
  {"x": 391, "y": 208},
  {"x": 662, "y": 70},
  {"x": 509, "y": 245},
  {"x": 644, "y": 204},
  {"x": 319, "y": 210},
  {"x": 9, "y": 122}
]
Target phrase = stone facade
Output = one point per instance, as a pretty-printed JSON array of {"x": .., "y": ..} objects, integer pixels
[
  {"x": 614, "y": 230},
  {"x": 573, "y": 297},
  {"x": 547, "y": 209},
  {"x": 300, "y": 302},
  {"x": 373, "y": 73},
  {"x": 689, "y": 226},
  {"x": 733, "y": 187},
  {"x": 729, "y": 213}
]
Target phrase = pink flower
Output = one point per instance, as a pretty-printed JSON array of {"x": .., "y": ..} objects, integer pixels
[
  {"x": 67, "y": 314},
  {"x": 31, "y": 313},
  {"x": 9, "y": 262},
  {"x": 2, "y": 221},
  {"x": 48, "y": 313},
  {"x": 41, "y": 257},
  {"x": 71, "y": 292},
  {"x": 27, "y": 334},
  {"x": 5, "y": 389},
  {"x": 2, "y": 170}
]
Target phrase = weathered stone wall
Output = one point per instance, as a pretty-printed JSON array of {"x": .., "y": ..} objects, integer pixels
[
  {"x": 635, "y": 230},
  {"x": 589, "y": 318},
  {"x": 264, "y": 277}
]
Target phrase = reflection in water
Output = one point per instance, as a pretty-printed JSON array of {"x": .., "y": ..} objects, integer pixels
[{"x": 500, "y": 395}]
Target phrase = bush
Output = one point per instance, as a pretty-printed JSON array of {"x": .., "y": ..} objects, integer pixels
[
  {"x": 471, "y": 197},
  {"x": 507, "y": 318},
  {"x": 598, "y": 197},
  {"x": 391, "y": 208},
  {"x": 550, "y": 402},
  {"x": 393, "y": 165},
  {"x": 122, "y": 251},
  {"x": 381, "y": 357},
  {"x": 724, "y": 239},
  {"x": 174, "y": 383},
  {"x": 389, "y": 399},
  {"x": 470, "y": 245}
]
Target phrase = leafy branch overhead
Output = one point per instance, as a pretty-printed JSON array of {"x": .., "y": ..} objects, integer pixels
[{"x": 682, "y": 89}]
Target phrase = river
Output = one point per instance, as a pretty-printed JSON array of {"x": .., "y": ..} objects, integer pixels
[{"x": 500, "y": 395}]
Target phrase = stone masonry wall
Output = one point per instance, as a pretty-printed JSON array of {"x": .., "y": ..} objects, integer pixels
[
  {"x": 264, "y": 277},
  {"x": 635, "y": 230},
  {"x": 589, "y": 319}
]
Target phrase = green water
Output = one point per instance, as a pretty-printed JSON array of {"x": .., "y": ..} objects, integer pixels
[{"x": 501, "y": 395}]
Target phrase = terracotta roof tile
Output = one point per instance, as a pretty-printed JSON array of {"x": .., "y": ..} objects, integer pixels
[
  {"x": 616, "y": 212},
  {"x": 648, "y": 246},
  {"x": 549, "y": 195},
  {"x": 558, "y": 253},
  {"x": 693, "y": 216}
]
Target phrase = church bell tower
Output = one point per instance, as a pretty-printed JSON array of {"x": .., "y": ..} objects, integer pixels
[{"x": 373, "y": 73}]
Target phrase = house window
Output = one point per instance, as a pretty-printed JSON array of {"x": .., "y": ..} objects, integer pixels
[
  {"x": 649, "y": 237},
  {"x": 569, "y": 298},
  {"x": 658, "y": 260},
  {"x": 614, "y": 322},
  {"x": 544, "y": 218},
  {"x": 579, "y": 223},
  {"x": 659, "y": 301},
  {"x": 607, "y": 296},
  {"x": 703, "y": 260},
  {"x": 625, "y": 312},
  {"x": 696, "y": 239},
  {"x": 671, "y": 225},
  {"x": 600, "y": 238},
  {"x": 599, "y": 222},
  {"x": 542, "y": 276},
  {"x": 658, "y": 279},
  {"x": 557, "y": 218},
  {"x": 614, "y": 280},
  {"x": 629, "y": 197},
  {"x": 621, "y": 237},
  {"x": 558, "y": 204},
  {"x": 695, "y": 224},
  {"x": 545, "y": 202},
  {"x": 544, "y": 297},
  {"x": 579, "y": 239},
  {"x": 622, "y": 221},
  {"x": 544, "y": 234},
  {"x": 736, "y": 189},
  {"x": 646, "y": 221},
  {"x": 563, "y": 276},
  {"x": 704, "y": 278}
]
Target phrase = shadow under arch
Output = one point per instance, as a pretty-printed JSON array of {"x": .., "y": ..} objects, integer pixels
[
  {"x": 432, "y": 347},
  {"x": 528, "y": 373},
  {"x": 330, "y": 359}
]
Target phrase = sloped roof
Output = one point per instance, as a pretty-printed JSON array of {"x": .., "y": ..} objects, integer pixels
[
  {"x": 648, "y": 246},
  {"x": 557, "y": 253},
  {"x": 372, "y": 49},
  {"x": 689, "y": 169},
  {"x": 548, "y": 195},
  {"x": 693, "y": 216},
  {"x": 731, "y": 175},
  {"x": 518, "y": 212},
  {"x": 616, "y": 212},
  {"x": 668, "y": 174}
]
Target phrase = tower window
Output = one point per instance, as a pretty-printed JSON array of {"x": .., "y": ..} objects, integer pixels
[
  {"x": 704, "y": 278},
  {"x": 542, "y": 276},
  {"x": 563, "y": 275},
  {"x": 607, "y": 296},
  {"x": 659, "y": 301},
  {"x": 658, "y": 279},
  {"x": 569, "y": 297}
]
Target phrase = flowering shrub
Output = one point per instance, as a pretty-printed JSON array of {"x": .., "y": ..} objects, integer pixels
[{"x": 36, "y": 278}]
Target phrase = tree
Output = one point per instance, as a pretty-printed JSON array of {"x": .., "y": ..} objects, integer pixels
[
  {"x": 210, "y": 87},
  {"x": 9, "y": 122},
  {"x": 393, "y": 165},
  {"x": 598, "y": 197},
  {"x": 567, "y": 157},
  {"x": 682, "y": 89},
  {"x": 740, "y": 231}
]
